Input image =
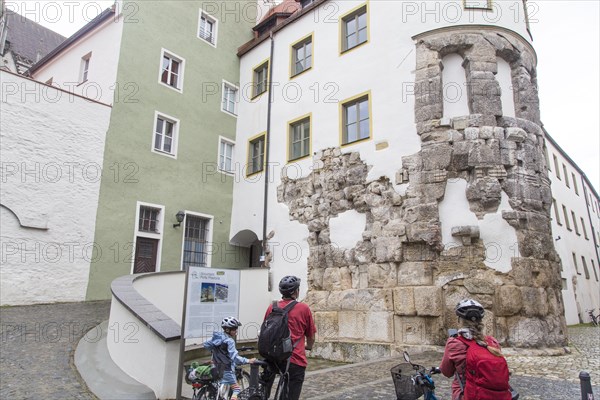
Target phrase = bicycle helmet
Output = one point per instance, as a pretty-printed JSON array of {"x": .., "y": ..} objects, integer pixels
[
  {"x": 288, "y": 285},
  {"x": 469, "y": 309},
  {"x": 230, "y": 323}
]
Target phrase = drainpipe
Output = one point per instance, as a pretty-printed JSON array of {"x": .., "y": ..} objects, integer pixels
[{"x": 267, "y": 145}]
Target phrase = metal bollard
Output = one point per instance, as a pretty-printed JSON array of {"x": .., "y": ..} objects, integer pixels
[{"x": 586, "y": 386}]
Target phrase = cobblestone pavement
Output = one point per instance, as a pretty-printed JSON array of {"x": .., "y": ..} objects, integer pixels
[
  {"x": 37, "y": 345},
  {"x": 534, "y": 377}
]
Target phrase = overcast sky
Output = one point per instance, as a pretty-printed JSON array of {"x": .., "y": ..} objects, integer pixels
[{"x": 566, "y": 37}]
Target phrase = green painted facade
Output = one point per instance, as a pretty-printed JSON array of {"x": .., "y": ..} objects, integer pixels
[{"x": 132, "y": 172}]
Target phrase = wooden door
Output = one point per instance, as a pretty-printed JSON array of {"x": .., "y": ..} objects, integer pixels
[{"x": 145, "y": 255}]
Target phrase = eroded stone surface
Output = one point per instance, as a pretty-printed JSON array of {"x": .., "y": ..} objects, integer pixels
[{"x": 400, "y": 283}]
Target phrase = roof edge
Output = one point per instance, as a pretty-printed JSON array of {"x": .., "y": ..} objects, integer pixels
[{"x": 93, "y": 24}]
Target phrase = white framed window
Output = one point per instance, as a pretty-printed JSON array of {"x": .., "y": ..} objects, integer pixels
[
  {"x": 354, "y": 27},
  {"x": 147, "y": 237},
  {"x": 226, "y": 147},
  {"x": 575, "y": 184},
  {"x": 165, "y": 136},
  {"x": 197, "y": 240},
  {"x": 172, "y": 68},
  {"x": 230, "y": 98},
  {"x": 85, "y": 67},
  {"x": 207, "y": 28}
]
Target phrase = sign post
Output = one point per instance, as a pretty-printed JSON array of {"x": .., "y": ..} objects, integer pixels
[{"x": 210, "y": 295}]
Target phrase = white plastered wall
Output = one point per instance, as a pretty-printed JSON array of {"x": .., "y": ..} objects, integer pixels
[
  {"x": 52, "y": 152},
  {"x": 385, "y": 66}
]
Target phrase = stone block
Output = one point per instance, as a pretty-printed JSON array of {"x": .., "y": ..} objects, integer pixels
[
  {"x": 418, "y": 252},
  {"x": 383, "y": 275},
  {"x": 436, "y": 156},
  {"x": 327, "y": 325},
  {"x": 332, "y": 279},
  {"x": 388, "y": 249},
  {"x": 516, "y": 135},
  {"x": 509, "y": 300},
  {"x": 379, "y": 327},
  {"x": 534, "y": 302},
  {"x": 318, "y": 300},
  {"x": 419, "y": 331},
  {"x": 415, "y": 274},
  {"x": 404, "y": 302},
  {"x": 428, "y": 301},
  {"x": 352, "y": 325},
  {"x": 460, "y": 123},
  {"x": 471, "y": 133},
  {"x": 479, "y": 286},
  {"x": 486, "y": 132}
]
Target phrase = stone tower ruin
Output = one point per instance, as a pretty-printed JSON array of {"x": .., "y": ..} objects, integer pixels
[{"x": 398, "y": 286}]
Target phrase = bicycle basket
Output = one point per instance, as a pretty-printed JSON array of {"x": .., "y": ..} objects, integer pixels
[{"x": 402, "y": 377}]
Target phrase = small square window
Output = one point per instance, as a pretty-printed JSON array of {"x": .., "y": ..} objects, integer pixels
[
  {"x": 165, "y": 135},
  {"x": 85, "y": 67},
  {"x": 556, "y": 213},
  {"x": 354, "y": 29},
  {"x": 171, "y": 70},
  {"x": 583, "y": 228},
  {"x": 260, "y": 79},
  {"x": 256, "y": 154},
  {"x": 299, "y": 139},
  {"x": 556, "y": 170},
  {"x": 302, "y": 56},
  {"x": 566, "y": 215},
  {"x": 148, "y": 220},
  {"x": 230, "y": 98},
  {"x": 226, "y": 156},
  {"x": 207, "y": 28},
  {"x": 356, "y": 120}
]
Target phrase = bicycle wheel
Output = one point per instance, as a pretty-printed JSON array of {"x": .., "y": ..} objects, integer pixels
[
  {"x": 251, "y": 394},
  {"x": 244, "y": 380},
  {"x": 208, "y": 392}
]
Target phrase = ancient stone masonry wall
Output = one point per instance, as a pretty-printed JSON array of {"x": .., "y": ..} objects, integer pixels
[{"x": 398, "y": 286}]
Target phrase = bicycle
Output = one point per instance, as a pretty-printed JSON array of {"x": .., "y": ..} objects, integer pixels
[
  {"x": 594, "y": 318},
  {"x": 207, "y": 387},
  {"x": 260, "y": 383},
  {"x": 412, "y": 381}
]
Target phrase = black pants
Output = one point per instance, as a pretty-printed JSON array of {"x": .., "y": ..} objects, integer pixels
[{"x": 295, "y": 381}]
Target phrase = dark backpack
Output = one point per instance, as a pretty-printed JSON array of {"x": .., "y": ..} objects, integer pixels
[
  {"x": 486, "y": 375},
  {"x": 221, "y": 361},
  {"x": 275, "y": 340}
]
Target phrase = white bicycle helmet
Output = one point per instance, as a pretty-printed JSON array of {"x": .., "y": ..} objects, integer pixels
[
  {"x": 470, "y": 309},
  {"x": 230, "y": 323}
]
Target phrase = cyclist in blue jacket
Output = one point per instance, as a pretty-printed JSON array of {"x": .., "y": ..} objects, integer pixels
[{"x": 226, "y": 339}]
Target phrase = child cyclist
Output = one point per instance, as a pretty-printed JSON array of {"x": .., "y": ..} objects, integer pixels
[{"x": 224, "y": 343}]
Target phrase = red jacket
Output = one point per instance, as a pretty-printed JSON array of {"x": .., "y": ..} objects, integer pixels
[{"x": 301, "y": 323}]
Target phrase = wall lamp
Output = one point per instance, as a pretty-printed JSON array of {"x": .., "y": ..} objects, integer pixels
[{"x": 179, "y": 216}]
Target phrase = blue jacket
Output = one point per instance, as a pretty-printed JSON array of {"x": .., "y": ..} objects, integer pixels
[{"x": 217, "y": 340}]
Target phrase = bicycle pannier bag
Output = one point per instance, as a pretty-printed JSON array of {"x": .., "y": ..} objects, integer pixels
[
  {"x": 221, "y": 361},
  {"x": 275, "y": 341},
  {"x": 486, "y": 374}
]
